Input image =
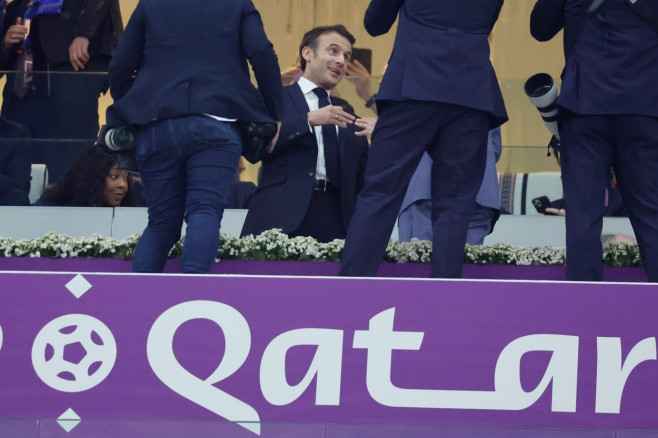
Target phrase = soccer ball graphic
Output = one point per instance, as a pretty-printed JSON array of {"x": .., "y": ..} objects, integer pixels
[{"x": 74, "y": 353}]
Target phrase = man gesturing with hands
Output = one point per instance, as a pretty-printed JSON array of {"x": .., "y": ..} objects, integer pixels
[{"x": 310, "y": 181}]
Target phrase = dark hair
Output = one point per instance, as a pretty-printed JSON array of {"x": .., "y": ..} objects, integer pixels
[
  {"x": 310, "y": 39},
  {"x": 84, "y": 182}
]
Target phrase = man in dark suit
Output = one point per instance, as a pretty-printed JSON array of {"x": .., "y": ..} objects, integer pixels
[
  {"x": 608, "y": 118},
  {"x": 439, "y": 95},
  {"x": 70, "y": 45},
  {"x": 181, "y": 75},
  {"x": 26, "y": 103},
  {"x": 309, "y": 183},
  {"x": 81, "y": 38},
  {"x": 14, "y": 164}
]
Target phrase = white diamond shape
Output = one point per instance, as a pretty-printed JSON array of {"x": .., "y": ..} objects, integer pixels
[
  {"x": 68, "y": 420},
  {"x": 78, "y": 286}
]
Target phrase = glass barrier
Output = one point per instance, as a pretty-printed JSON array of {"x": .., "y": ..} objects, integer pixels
[
  {"x": 219, "y": 429},
  {"x": 57, "y": 123}
]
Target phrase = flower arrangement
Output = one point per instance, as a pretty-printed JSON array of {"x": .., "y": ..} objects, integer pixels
[{"x": 274, "y": 245}]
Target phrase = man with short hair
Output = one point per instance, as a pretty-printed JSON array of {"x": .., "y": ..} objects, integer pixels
[{"x": 309, "y": 183}]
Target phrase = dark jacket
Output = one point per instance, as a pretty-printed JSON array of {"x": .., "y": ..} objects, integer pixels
[
  {"x": 98, "y": 20},
  {"x": 14, "y": 164},
  {"x": 611, "y": 57},
  {"x": 164, "y": 78},
  {"x": 288, "y": 174},
  {"x": 445, "y": 40}
]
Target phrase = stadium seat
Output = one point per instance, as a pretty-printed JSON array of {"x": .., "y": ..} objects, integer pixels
[{"x": 39, "y": 181}]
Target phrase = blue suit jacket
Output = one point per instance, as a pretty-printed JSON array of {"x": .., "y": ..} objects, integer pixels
[
  {"x": 441, "y": 52},
  {"x": 191, "y": 58},
  {"x": 288, "y": 174},
  {"x": 611, "y": 65}
]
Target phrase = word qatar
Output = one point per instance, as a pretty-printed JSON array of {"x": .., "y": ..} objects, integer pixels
[{"x": 380, "y": 342}]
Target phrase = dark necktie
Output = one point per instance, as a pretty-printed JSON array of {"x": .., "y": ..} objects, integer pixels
[{"x": 330, "y": 140}]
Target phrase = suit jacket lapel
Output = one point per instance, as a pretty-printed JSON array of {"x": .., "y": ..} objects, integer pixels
[
  {"x": 298, "y": 98},
  {"x": 343, "y": 134}
]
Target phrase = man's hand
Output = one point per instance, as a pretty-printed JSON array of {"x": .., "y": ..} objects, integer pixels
[
  {"x": 290, "y": 75},
  {"x": 357, "y": 74},
  {"x": 555, "y": 211},
  {"x": 330, "y": 115},
  {"x": 15, "y": 34},
  {"x": 367, "y": 124},
  {"x": 78, "y": 53},
  {"x": 270, "y": 148}
]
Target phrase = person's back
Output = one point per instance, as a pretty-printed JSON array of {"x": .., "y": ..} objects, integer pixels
[
  {"x": 608, "y": 118},
  {"x": 440, "y": 94},
  {"x": 441, "y": 53},
  {"x": 616, "y": 41},
  {"x": 193, "y": 62},
  {"x": 180, "y": 77},
  {"x": 473, "y": 16}
]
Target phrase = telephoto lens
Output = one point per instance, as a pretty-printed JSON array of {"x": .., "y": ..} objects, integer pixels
[
  {"x": 542, "y": 92},
  {"x": 120, "y": 139}
]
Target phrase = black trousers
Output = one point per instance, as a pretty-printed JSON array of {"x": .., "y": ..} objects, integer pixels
[
  {"x": 591, "y": 145},
  {"x": 323, "y": 220},
  {"x": 456, "y": 139}
]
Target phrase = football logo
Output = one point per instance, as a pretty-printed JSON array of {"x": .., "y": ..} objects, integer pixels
[{"x": 74, "y": 353}]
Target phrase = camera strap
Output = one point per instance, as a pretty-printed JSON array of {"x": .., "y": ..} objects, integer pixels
[
  {"x": 592, "y": 9},
  {"x": 646, "y": 11}
]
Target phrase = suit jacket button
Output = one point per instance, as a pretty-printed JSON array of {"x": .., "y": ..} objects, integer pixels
[{"x": 311, "y": 174}]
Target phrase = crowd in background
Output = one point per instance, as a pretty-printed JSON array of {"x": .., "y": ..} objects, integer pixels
[{"x": 432, "y": 164}]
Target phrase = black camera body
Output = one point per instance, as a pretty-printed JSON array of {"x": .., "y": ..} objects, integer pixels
[{"x": 256, "y": 137}]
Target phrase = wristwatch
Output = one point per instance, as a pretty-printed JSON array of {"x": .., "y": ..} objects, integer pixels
[{"x": 370, "y": 101}]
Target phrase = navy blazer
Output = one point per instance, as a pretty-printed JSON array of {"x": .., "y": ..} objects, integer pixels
[
  {"x": 14, "y": 164},
  {"x": 445, "y": 40},
  {"x": 98, "y": 20},
  {"x": 288, "y": 174},
  {"x": 611, "y": 60},
  {"x": 191, "y": 58}
]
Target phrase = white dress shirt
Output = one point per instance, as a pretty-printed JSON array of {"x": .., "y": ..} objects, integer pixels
[{"x": 313, "y": 103}]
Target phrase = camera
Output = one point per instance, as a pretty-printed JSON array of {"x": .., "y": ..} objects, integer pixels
[
  {"x": 256, "y": 137},
  {"x": 542, "y": 92},
  {"x": 117, "y": 138}
]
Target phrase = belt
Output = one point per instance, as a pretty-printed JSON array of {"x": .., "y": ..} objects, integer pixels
[{"x": 322, "y": 185}]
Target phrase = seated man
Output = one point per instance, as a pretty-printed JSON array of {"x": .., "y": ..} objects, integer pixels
[
  {"x": 415, "y": 214},
  {"x": 310, "y": 181},
  {"x": 14, "y": 164}
]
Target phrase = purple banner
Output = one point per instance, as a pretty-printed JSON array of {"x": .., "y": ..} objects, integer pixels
[
  {"x": 252, "y": 267},
  {"x": 325, "y": 357}
]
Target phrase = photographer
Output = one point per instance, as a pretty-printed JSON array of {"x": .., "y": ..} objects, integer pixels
[
  {"x": 180, "y": 75},
  {"x": 608, "y": 118}
]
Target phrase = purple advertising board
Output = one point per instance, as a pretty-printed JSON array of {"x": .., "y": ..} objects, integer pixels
[{"x": 124, "y": 355}]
